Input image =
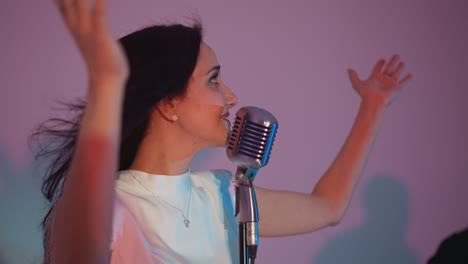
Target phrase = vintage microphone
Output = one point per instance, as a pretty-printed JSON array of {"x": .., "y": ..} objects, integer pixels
[{"x": 249, "y": 147}]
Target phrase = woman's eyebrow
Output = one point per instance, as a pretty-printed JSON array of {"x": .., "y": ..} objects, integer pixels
[{"x": 217, "y": 67}]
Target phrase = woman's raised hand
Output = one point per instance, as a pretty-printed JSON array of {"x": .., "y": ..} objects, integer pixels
[
  {"x": 103, "y": 55},
  {"x": 382, "y": 87}
]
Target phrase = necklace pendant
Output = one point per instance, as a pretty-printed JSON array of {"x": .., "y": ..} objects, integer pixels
[{"x": 186, "y": 222}]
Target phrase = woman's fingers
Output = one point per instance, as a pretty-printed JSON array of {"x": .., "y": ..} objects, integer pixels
[
  {"x": 82, "y": 12},
  {"x": 66, "y": 8},
  {"x": 64, "y": 5},
  {"x": 79, "y": 14},
  {"x": 404, "y": 80},
  {"x": 353, "y": 77},
  {"x": 378, "y": 67},
  {"x": 396, "y": 73},
  {"x": 86, "y": 21},
  {"x": 388, "y": 69},
  {"x": 98, "y": 14}
]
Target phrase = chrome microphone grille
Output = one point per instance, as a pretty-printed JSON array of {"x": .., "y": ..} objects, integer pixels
[{"x": 252, "y": 137}]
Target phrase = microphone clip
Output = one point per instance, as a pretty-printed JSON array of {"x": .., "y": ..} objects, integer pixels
[
  {"x": 245, "y": 176},
  {"x": 246, "y": 201}
]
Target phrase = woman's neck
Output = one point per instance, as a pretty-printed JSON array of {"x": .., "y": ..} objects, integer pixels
[{"x": 164, "y": 152}]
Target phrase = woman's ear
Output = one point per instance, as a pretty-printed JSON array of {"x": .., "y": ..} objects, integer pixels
[{"x": 167, "y": 108}]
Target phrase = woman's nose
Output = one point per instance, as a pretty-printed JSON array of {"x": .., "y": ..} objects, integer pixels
[{"x": 231, "y": 98}]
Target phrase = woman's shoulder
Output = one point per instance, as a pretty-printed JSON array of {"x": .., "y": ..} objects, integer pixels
[
  {"x": 121, "y": 215},
  {"x": 123, "y": 220},
  {"x": 120, "y": 209}
]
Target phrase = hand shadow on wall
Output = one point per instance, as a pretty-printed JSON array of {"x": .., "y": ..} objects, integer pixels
[
  {"x": 21, "y": 210},
  {"x": 380, "y": 238}
]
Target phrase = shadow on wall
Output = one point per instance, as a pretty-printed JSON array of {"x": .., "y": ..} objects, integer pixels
[
  {"x": 381, "y": 236},
  {"x": 2, "y": 259},
  {"x": 21, "y": 211}
]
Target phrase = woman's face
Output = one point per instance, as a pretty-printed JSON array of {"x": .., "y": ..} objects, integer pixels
[{"x": 202, "y": 112}]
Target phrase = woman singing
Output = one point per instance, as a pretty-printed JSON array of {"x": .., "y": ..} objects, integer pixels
[{"x": 120, "y": 185}]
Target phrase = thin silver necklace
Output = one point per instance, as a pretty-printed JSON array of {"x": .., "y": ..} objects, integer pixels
[{"x": 186, "y": 220}]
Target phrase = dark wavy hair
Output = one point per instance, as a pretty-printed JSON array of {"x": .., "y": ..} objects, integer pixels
[{"x": 161, "y": 58}]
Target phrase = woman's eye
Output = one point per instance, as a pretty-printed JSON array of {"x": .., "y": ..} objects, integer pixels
[{"x": 213, "y": 79}]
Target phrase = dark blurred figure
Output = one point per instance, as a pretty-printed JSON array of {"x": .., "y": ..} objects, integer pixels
[{"x": 453, "y": 249}]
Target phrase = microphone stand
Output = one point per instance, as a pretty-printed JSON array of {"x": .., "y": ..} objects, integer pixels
[
  {"x": 246, "y": 214},
  {"x": 249, "y": 147}
]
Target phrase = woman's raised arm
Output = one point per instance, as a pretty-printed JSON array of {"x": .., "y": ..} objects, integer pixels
[
  {"x": 326, "y": 204},
  {"x": 81, "y": 223}
]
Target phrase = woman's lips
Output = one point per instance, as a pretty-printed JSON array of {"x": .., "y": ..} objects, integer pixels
[{"x": 226, "y": 115}]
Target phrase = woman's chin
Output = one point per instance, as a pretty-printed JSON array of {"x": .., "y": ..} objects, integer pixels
[
  {"x": 222, "y": 135},
  {"x": 225, "y": 139},
  {"x": 227, "y": 132}
]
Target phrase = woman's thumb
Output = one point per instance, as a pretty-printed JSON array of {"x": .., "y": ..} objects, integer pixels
[{"x": 353, "y": 76}]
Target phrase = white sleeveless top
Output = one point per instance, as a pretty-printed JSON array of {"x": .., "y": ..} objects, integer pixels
[{"x": 148, "y": 230}]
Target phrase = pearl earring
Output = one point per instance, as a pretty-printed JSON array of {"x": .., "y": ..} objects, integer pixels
[{"x": 174, "y": 118}]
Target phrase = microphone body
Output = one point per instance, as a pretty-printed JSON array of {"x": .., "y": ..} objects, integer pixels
[{"x": 249, "y": 147}]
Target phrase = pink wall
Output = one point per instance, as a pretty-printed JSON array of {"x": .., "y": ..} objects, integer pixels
[{"x": 289, "y": 57}]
